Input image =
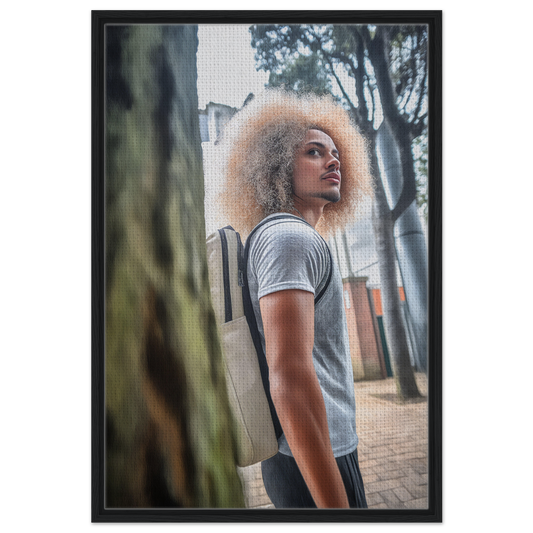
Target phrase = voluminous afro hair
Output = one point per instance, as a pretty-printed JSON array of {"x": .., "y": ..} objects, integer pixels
[{"x": 259, "y": 146}]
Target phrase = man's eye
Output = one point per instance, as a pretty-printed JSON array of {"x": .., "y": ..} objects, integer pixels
[{"x": 314, "y": 151}]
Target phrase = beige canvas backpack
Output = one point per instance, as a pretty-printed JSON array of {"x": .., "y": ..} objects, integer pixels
[{"x": 258, "y": 427}]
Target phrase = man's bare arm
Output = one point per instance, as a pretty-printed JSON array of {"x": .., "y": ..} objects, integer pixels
[{"x": 288, "y": 323}]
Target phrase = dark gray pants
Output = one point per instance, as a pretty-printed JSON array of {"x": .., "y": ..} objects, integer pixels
[{"x": 286, "y": 487}]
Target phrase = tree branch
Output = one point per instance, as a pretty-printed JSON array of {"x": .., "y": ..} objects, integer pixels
[
  {"x": 344, "y": 93},
  {"x": 422, "y": 94},
  {"x": 361, "y": 71}
]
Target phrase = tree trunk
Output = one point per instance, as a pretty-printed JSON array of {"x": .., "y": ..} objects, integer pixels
[
  {"x": 400, "y": 128},
  {"x": 383, "y": 226},
  {"x": 410, "y": 245},
  {"x": 169, "y": 432}
]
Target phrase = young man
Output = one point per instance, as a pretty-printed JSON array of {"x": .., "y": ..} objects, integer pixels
[{"x": 302, "y": 156}]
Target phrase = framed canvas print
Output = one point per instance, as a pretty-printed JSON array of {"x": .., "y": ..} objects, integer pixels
[{"x": 266, "y": 266}]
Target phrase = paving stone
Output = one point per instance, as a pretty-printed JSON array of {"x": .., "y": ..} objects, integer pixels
[
  {"x": 421, "y": 503},
  {"x": 403, "y": 494},
  {"x": 392, "y": 501},
  {"x": 380, "y": 486},
  {"x": 373, "y": 499}
]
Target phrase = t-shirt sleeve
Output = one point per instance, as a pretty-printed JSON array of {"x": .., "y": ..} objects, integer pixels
[{"x": 288, "y": 256}]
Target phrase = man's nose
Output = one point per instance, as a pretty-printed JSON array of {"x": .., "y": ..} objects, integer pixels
[{"x": 333, "y": 162}]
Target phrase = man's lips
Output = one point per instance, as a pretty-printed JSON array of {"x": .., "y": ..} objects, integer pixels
[{"x": 333, "y": 177}]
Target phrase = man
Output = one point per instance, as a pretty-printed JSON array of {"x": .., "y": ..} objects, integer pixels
[{"x": 285, "y": 155}]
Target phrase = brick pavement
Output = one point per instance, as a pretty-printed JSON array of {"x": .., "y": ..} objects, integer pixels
[{"x": 392, "y": 449}]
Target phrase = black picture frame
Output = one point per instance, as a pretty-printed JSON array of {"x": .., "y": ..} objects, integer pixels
[{"x": 434, "y": 511}]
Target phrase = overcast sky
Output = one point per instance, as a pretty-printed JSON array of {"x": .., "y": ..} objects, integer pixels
[{"x": 226, "y": 66}]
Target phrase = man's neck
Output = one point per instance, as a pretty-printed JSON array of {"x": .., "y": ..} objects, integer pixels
[{"x": 311, "y": 214}]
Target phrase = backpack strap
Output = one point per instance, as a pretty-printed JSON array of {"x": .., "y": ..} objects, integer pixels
[
  {"x": 252, "y": 322},
  {"x": 232, "y": 261},
  {"x": 228, "y": 315}
]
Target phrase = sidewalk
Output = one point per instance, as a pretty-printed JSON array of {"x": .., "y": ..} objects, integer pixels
[{"x": 392, "y": 449}]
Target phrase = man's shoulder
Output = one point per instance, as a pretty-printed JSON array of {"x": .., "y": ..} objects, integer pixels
[
  {"x": 290, "y": 229},
  {"x": 288, "y": 238},
  {"x": 287, "y": 225}
]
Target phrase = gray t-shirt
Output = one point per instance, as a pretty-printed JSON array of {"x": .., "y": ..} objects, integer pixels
[{"x": 292, "y": 255}]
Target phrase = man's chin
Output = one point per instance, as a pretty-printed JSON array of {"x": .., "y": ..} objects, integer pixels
[{"x": 332, "y": 196}]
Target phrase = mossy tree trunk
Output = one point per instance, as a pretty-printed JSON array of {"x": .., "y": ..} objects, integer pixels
[{"x": 169, "y": 433}]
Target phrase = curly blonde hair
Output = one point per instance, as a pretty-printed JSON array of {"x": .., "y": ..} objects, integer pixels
[{"x": 259, "y": 146}]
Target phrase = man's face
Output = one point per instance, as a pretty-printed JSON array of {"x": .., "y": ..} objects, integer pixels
[{"x": 316, "y": 175}]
